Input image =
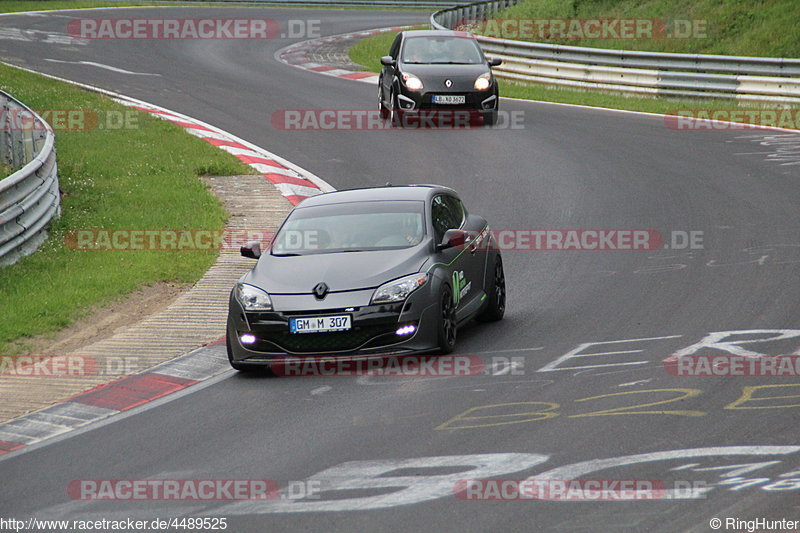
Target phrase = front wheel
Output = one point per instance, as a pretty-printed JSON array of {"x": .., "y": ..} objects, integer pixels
[
  {"x": 395, "y": 114},
  {"x": 496, "y": 306},
  {"x": 447, "y": 322}
]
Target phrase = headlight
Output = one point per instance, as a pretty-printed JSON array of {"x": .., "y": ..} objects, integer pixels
[
  {"x": 252, "y": 298},
  {"x": 399, "y": 289},
  {"x": 483, "y": 82},
  {"x": 412, "y": 82}
]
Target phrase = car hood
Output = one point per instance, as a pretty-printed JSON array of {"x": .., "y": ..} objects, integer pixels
[
  {"x": 435, "y": 75},
  {"x": 344, "y": 271}
]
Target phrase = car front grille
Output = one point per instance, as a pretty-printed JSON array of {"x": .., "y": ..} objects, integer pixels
[{"x": 336, "y": 341}]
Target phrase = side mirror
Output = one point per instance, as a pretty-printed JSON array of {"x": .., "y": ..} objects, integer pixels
[
  {"x": 252, "y": 250},
  {"x": 452, "y": 238},
  {"x": 495, "y": 62},
  {"x": 388, "y": 61}
]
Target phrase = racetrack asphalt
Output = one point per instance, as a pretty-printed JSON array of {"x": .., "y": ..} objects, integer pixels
[{"x": 564, "y": 168}]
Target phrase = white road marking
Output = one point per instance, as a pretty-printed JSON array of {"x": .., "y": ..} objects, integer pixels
[
  {"x": 576, "y": 353},
  {"x": 101, "y": 65},
  {"x": 725, "y": 341},
  {"x": 632, "y": 383},
  {"x": 321, "y": 390},
  {"x": 513, "y": 350},
  {"x": 506, "y": 368},
  {"x": 585, "y": 468},
  {"x": 405, "y": 489}
]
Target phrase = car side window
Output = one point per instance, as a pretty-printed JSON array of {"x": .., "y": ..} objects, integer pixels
[
  {"x": 446, "y": 213},
  {"x": 456, "y": 210},
  {"x": 395, "y": 49}
]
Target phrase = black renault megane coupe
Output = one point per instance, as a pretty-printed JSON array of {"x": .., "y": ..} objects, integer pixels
[
  {"x": 436, "y": 70},
  {"x": 386, "y": 270}
]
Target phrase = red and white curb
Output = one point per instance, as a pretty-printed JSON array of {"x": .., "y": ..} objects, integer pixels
[
  {"x": 297, "y": 55},
  {"x": 293, "y": 182},
  {"x": 114, "y": 398}
]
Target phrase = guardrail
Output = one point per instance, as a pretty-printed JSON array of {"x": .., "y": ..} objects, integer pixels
[
  {"x": 753, "y": 79},
  {"x": 29, "y": 197}
]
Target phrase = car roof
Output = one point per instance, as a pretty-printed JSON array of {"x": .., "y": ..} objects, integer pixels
[
  {"x": 373, "y": 194},
  {"x": 437, "y": 33}
]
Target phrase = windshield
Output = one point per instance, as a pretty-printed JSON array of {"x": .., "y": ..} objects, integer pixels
[
  {"x": 442, "y": 50},
  {"x": 351, "y": 227}
]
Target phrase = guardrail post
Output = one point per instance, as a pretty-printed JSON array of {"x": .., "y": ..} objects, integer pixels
[{"x": 6, "y": 143}]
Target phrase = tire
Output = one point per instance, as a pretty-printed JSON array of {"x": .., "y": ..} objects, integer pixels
[
  {"x": 382, "y": 111},
  {"x": 395, "y": 114},
  {"x": 447, "y": 322},
  {"x": 490, "y": 117},
  {"x": 496, "y": 307}
]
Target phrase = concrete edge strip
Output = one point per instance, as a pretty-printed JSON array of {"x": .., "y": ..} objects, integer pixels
[{"x": 104, "y": 401}]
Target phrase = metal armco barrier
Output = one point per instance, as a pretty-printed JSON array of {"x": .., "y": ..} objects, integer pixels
[
  {"x": 29, "y": 197},
  {"x": 753, "y": 79}
]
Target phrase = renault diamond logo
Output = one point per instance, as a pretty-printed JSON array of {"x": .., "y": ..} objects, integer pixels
[
  {"x": 320, "y": 290},
  {"x": 448, "y": 83}
]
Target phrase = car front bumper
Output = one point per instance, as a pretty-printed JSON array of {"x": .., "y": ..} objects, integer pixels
[
  {"x": 373, "y": 327},
  {"x": 424, "y": 101}
]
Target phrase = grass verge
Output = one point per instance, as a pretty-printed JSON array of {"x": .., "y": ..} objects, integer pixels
[
  {"x": 143, "y": 175},
  {"x": 766, "y": 28},
  {"x": 5, "y": 170}
]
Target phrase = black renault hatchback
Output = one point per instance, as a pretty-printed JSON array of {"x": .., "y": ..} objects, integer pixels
[{"x": 437, "y": 70}]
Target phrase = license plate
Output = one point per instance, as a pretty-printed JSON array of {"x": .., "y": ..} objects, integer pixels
[
  {"x": 449, "y": 99},
  {"x": 318, "y": 324}
]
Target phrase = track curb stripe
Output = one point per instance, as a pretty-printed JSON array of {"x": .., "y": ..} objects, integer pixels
[
  {"x": 297, "y": 55},
  {"x": 294, "y": 186}
]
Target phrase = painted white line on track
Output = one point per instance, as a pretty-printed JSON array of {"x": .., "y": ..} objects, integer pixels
[
  {"x": 101, "y": 65},
  {"x": 632, "y": 383}
]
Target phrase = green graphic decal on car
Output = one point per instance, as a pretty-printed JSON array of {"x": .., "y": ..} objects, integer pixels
[{"x": 461, "y": 286}]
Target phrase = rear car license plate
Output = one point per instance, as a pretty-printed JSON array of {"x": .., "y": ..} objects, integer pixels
[
  {"x": 449, "y": 99},
  {"x": 319, "y": 324}
]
